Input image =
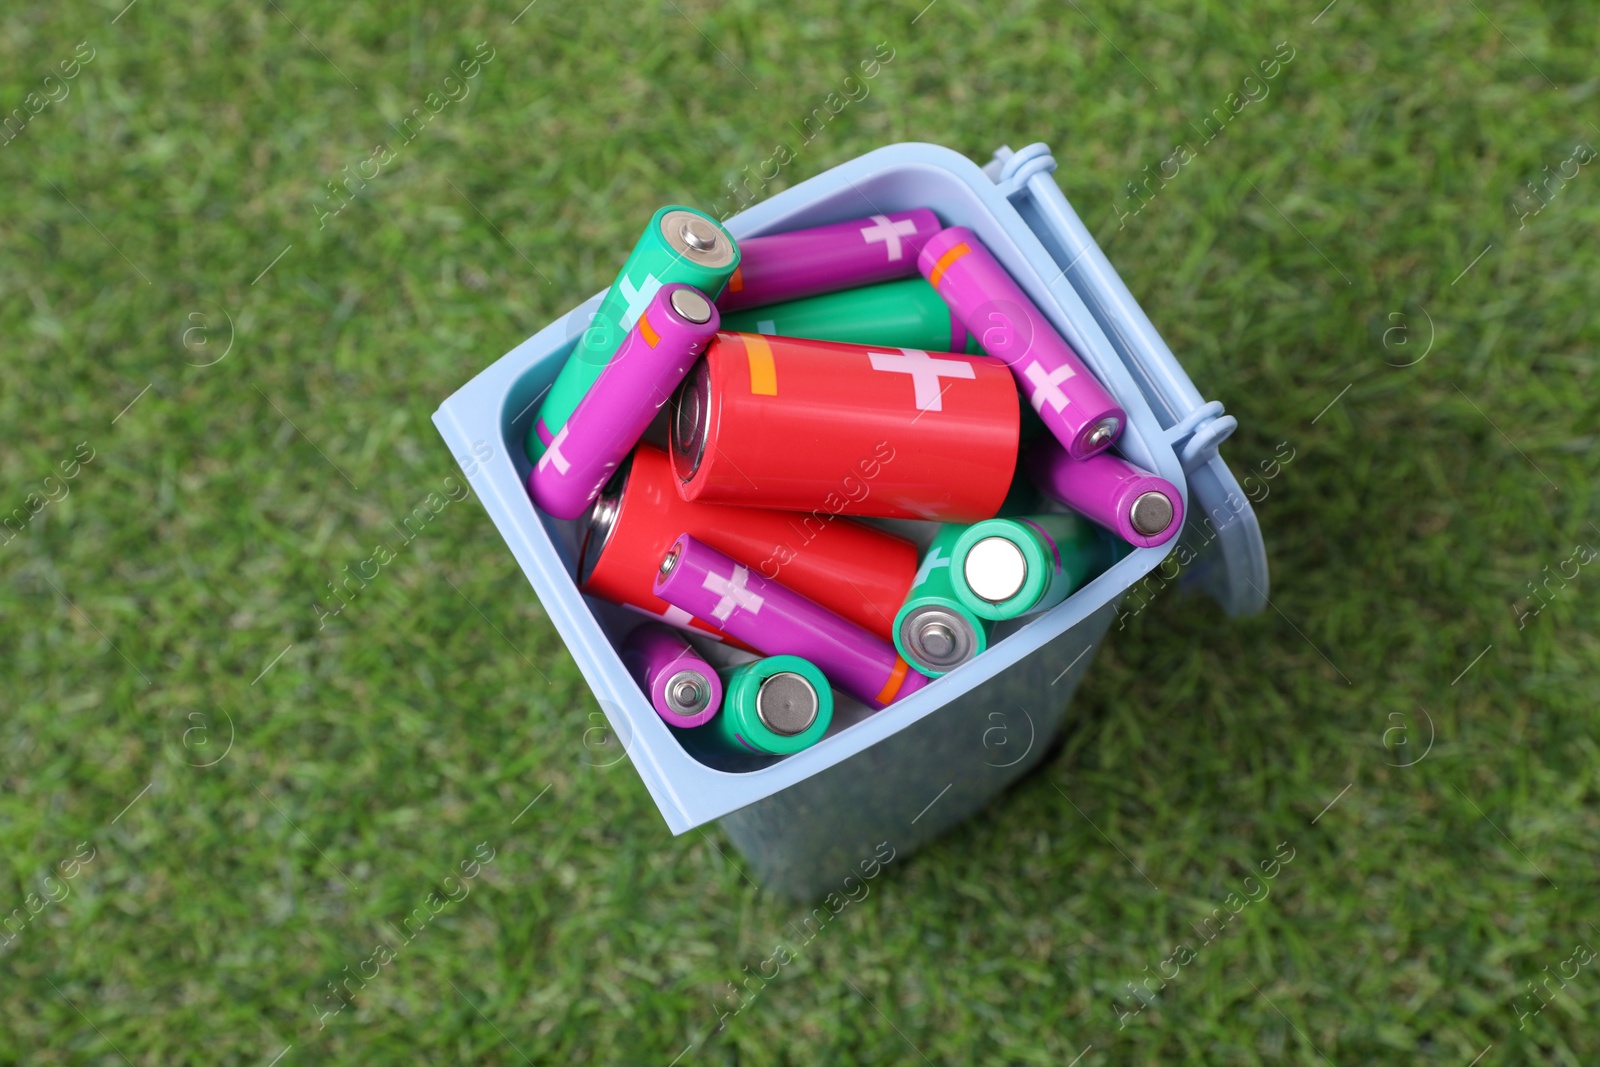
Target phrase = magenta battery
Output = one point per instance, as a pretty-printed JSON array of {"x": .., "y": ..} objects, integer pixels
[
  {"x": 683, "y": 688},
  {"x": 641, "y": 377},
  {"x": 1143, "y": 509},
  {"x": 718, "y": 589},
  {"x": 1067, "y": 396},
  {"x": 824, "y": 259}
]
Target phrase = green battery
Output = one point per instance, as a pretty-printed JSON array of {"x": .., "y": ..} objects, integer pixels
[
  {"x": 1004, "y": 568},
  {"x": 908, "y": 313},
  {"x": 680, "y": 245},
  {"x": 933, "y": 630},
  {"x": 775, "y": 706}
]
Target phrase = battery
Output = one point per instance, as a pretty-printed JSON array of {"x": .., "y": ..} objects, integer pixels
[
  {"x": 907, "y": 313},
  {"x": 838, "y": 429},
  {"x": 1065, "y": 393},
  {"x": 683, "y": 688},
  {"x": 824, "y": 259},
  {"x": 776, "y": 620},
  {"x": 1143, "y": 509},
  {"x": 1005, "y": 568},
  {"x": 668, "y": 337},
  {"x": 855, "y": 571},
  {"x": 775, "y": 706},
  {"x": 934, "y": 631},
  {"x": 679, "y": 245}
]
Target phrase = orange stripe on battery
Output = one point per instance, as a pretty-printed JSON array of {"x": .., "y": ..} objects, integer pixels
[
  {"x": 944, "y": 262},
  {"x": 648, "y": 332},
  {"x": 736, "y": 283},
  {"x": 763, "y": 371},
  {"x": 896, "y": 678}
]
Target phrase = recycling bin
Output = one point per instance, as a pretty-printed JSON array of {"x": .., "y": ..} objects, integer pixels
[{"x": 906, "y": 773}]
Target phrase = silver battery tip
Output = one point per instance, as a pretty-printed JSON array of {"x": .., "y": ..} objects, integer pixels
[
  {"x": 995, "y": 569},
  {"x": 1151, "y": 514},
  {"x": 787, "y": 703},
  {"x": 692, "y": 306},
  {"x": 688, "y": 692},
  {"x": 698, "y": 235},
  {"x": 937, "y": 640},
  {"x": 1103, "y": 433}
]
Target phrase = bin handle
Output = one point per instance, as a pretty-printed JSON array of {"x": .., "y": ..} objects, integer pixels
[{"x": 1177, "y": 404}]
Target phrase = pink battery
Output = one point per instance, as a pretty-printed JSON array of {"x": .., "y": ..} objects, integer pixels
[
  {"x": 716, "y": 588},
  {"x": 788, "y": 266},
  {"x": 1072, "y": 403},
  {"x": 1143, "y": 509},
  {"x": 683, "y": 688},
  {"x": 663, "y": 344}
]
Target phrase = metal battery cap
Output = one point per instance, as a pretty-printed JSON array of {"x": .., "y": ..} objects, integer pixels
[
  {"x": 688, "y": 692},
  {"x": 1101, "y": 433},
  {"x": 670, "y": 560},
  {"x": 995, "y": 569},
  {"x": 691, "y": 420},
  {"x": 691, "y": 305},
  {"x": 938, "y": 638},
  {"x": 787, "y": 704},
  {"x": 698, "y": 239},
  {"x": 599, "y": 524},
  {"x": 1151, "y": 514}
]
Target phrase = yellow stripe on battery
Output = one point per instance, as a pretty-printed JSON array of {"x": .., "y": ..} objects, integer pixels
[
  {"x": 763, "y": 371},
  {"x": 945, "y": 261}
]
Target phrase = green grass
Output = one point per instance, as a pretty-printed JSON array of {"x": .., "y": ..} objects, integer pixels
[{"x": 376, "y": 752}]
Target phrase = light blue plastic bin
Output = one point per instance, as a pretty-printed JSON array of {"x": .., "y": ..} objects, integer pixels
[{"x": 906, "y": 773}]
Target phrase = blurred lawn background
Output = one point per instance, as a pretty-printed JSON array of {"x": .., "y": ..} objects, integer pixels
[{"x": 1362, "y": 213}]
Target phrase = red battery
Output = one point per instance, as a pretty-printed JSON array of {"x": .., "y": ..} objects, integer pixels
[
  {"x": 838, "y": 429},
  {"x": 855, "y": 571}
]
